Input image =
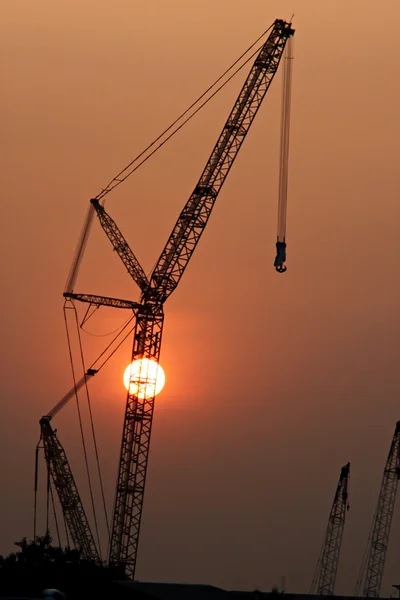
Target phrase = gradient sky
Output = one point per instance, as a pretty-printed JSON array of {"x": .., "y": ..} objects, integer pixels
[{"x": 273, "y": 382}]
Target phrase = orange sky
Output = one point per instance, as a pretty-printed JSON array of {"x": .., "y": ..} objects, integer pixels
[{"x": 273, "y": 382}]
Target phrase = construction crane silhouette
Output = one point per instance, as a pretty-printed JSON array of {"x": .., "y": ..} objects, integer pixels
[
  {"x": 64, "y": 482},
  {"x": 149, "y": 311},
  {"x": 378, "y": 541},
  {"x": 328, "y": 562}
]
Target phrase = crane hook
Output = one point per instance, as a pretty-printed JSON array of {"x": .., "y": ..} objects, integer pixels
[
  {"x": 281, "y": 269},
  {"x": 280, "y": 259}
]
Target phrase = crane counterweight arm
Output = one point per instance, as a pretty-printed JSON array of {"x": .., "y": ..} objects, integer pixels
[
  {"x": 121, "y": 246},
  {"x": 383, "y": 519},
  {"x": 194, "y": 217},
  {"x": 64, "y": 483},
  {"x": 328, "y": 561}
]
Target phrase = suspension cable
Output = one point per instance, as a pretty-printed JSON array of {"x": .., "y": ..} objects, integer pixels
[
  {"x": 47, "y": 501},
  {"x": 92, "y": 424},
  {"x": 55, "y": 516},
  {"x": 82, "y": 432},
  {"x": 66, "y": 530},
  {"x": 128, "y": 170},
  {"x": 36, "y": 488},
  {"x": 93, "y": 366},
  {"x": 280, "y": 259},
  {"x": 104, "y": 334}
]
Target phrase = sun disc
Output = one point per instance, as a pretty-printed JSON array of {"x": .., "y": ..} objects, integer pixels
[{"x": 144, "y": 378}]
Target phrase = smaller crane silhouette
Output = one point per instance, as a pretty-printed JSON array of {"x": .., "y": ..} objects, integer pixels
[
  {"x": 378, "y": 541},
  {"x": 328, "y": 562}
]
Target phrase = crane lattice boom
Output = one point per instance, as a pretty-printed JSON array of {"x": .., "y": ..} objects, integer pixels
[
  {"x": 383, "y": 519},
  {"x": 329, "y": 560},
  {"x": 193, "y": 218},
  {"x": 103, "y": 301},
  {"x": 121, "y": 246},
  {"x": 64, "y": 483}
]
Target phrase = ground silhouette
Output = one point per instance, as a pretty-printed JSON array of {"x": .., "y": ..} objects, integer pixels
[{"x": 38, "y": 564}]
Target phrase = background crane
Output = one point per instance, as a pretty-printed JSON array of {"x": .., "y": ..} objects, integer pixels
[
  {"x": 155, "y": 290},
  {"x": 64, "y": 483},
  {"x": 378, "y": 541},
  {"x": 328, "y": 562},
  {"x": 78, "y": 530}
]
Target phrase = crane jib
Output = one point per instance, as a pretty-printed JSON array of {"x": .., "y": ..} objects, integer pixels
[{"x": 186, "y": 233}]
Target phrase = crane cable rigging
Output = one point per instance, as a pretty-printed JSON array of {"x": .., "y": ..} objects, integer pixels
[
  {"x": 89, "y": 479},
  {"x": 131, "y": 167},
  {"x": 128, "y": 170},
  {"x": 280, "y": 259},
  {"x": 95, "y": 367}
]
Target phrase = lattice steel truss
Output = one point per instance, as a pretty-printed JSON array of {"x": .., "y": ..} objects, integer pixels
[
  {"x": 383, "y": 520},
  {"x": 329, "y": 560},
  {"x": 64, "y": 483}
]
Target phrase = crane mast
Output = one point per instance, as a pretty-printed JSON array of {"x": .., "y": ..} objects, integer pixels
[
  {"x": 135, "y": 448},
  {"x": 164, "y": 279},
  {"x": 379, "y": 539},
  {"x": 64, "y": 483},
  {"x": 328, "y": 562}
]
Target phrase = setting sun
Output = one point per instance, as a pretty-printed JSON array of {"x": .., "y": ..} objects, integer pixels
[{"x": 145, "y": 378}]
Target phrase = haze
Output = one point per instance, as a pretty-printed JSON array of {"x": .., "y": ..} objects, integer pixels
[{"x": 273, "y": 381}]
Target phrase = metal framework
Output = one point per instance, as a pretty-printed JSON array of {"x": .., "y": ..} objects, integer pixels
[
  {"x": 103, "y": 301},
  {"x": 193, "y": 218},
  {"x": 121, "y": 246},
  {"x": 328, "y": 562},
  {"x": 383, "y": 519},
  {"x": 149, "y": 316},
  {"x": 64, "y": 483},
  {"x": 164, "y": 279}
]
